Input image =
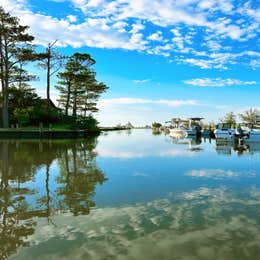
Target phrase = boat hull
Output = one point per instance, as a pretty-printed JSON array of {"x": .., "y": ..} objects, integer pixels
[
  {"x": 177, "y": 132},
  {"x": 227, "y": 134},
  {"x": 252, "y": 137}
]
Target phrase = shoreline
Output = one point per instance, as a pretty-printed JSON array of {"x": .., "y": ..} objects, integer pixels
[{"x": 53, "y": 134}]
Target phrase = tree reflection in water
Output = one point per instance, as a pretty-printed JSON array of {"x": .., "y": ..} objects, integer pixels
[{"x": 20, "y": 161}]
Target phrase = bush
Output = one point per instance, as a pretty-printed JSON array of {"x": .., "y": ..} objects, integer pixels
[
  {"x": 79, "y": 122},
  {"x": 156, "y": 125},
  {"x": 22, "y": 116},
  {"x": 33, "y": 116},
  {"x": 88, "y": 123},
  {"x": 44, "y": 115}
]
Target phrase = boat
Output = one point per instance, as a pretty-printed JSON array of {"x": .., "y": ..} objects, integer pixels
[
  {"x": 194, "y": 131},
  {"x": 225, "y": 132},
  {"x": 194, "y": 128},
  {"x": 178, "y": 127},
  {"x": 252, "y": 136},
  {"x": 178, "y": 132},
  {"x": 185, "y": 128}
]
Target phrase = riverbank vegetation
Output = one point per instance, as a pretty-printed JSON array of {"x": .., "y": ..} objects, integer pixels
[
  {"x": 250, "y": 118},
  {"x": 20, "y": 105}
]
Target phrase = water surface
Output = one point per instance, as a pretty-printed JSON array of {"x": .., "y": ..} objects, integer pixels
[{"x": 129, "y": 195}]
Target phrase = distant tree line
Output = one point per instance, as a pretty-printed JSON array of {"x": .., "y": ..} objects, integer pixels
[
  {"x": 79, "y": 90},
  {"x": 250, "y": 118}
]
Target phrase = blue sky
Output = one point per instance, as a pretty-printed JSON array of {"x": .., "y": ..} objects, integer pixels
[{"x": 160, "y": 58}]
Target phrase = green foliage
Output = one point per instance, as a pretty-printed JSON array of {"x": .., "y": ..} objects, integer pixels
[
  {"x": 156, "y": 125},
  {"x": 45, "y": 115},
  {"x": 251, "y": 117},
  {"x": 22, "y": 97},
  {"x": 230, "y": 118},
  {"x": 26, "y": 108},
  {"x": 33, "y": 116},
  {"x": 22, "y": 116},
  {"x": 14, "y": 52},
  {"x": 79, "y": 89},
  {"x": 79, "y": 122},
  {"x": 88, "y": 122}
]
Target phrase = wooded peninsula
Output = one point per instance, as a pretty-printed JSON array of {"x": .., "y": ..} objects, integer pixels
[{"x": 20, "y": 105}]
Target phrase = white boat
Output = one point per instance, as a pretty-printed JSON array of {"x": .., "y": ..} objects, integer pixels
[
  {"x": 225, "y": 132},
  {"x": 184, "y": 128},
  {"x": 178, "y": 127},
  {"x": 178, "y": 132},
  {"x": 252, "y": 136}
]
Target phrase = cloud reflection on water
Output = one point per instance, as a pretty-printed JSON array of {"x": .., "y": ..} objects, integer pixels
[
  {"x": 218, "y": 174},
  {"x": 201, "y": 224},
  {"x": 116, "y": 146}
]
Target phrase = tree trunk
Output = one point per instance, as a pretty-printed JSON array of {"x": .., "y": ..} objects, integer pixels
[
  {"x": 5, "y": 113},
  {"x": 74, "y": 110},
  {"x": 2, "y": 78},
  {"x": 68, "y": 99},
  {"x": 5, "y": 86},
  {"x": 48, "y": 73}
]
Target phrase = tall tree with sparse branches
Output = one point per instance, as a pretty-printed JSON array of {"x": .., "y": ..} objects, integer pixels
[{"x": 52, "y": 62}]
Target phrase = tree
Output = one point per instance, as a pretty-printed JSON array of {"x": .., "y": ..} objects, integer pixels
[
  {"x": 79, "y": 89},
  {"x": 250, "y": 117},
  {"x": 64, "y": 86},
  {"x": 22, "y": 97},
  {"x": 230, "y": 118},
  {"x": 51, "y": 61},
  {"x": 156, "y": 125},
  {"x": 27, "y": 109},
  {"x": 14, "y": 50},
  {"x": 93, "y": 90}
]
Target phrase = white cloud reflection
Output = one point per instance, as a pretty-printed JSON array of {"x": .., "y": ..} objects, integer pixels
[
  {"x": 166, "y": 228},
  {"x": 218, "y": 174},
  {"x": 116, "y": 147}
]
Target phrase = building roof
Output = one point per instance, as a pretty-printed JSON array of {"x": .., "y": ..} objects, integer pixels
[
  {"x": 43, "y": 101},
  {"x": 47, "y": 102}
]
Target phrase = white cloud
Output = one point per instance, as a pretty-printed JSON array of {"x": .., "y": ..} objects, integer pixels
[
  {"x": 72, "y": 18},
  {"x": 128, "y": 101},
  {"x": 213, "y": 45},
  {"x": 217, "y": 82},
  {"x": 125, "y": 24},
  {"x": 221, "y": 60},
  {"x": 141, "y": 81},
  {"x": 156, "y": 37},
  {"x": 202, "y": 63},
  {"x": 141, "y": 111}
]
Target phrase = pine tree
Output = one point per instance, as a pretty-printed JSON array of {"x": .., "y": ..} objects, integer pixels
[
  {"x": 79, "y": 89},
  {"x": 14, "y": 50}
]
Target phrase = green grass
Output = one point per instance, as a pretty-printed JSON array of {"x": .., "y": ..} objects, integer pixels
[{"x": 54, "y": 127}]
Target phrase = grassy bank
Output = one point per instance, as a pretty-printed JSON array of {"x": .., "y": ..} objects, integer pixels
[{"x": 59, "y": 131}]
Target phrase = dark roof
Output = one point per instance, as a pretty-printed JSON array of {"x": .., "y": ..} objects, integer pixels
[
  {"x": 43, "y": 101},
  {"x": 47, "y": 102}
]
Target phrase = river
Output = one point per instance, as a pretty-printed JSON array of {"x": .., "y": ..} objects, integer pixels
[{"x": 129, "y": 195}]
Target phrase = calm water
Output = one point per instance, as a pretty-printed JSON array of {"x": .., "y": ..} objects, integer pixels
[{"x": 129, "y": 195}]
